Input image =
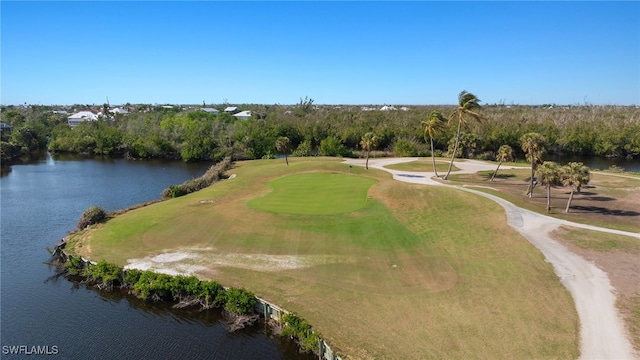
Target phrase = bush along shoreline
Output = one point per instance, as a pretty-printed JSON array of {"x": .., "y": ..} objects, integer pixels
[
  {"x": 213, "y": 175},
  {"x": 239, "y": 305}
]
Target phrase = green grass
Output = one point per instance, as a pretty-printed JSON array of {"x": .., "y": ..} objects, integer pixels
[
  {"x": 600, "y": 241},
  {"x": 315, "y": 194},
  {"x": 423, "y": 165},
  {"x": 415, "y": 272}
]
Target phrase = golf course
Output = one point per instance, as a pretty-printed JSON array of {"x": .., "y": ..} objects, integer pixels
[{"x": 382, "y": 269}]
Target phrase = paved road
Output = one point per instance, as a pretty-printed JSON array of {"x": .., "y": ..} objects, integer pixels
[{"x": 602, "y": 332}]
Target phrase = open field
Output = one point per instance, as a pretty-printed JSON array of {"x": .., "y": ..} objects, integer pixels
[{"x": 394, "y": 271}]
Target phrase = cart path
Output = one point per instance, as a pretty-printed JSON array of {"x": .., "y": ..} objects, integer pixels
[{"x": 602, "y": 333}]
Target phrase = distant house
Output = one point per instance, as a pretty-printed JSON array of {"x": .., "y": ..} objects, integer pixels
[
  {"x": 366, "y": 108},
  {"x": 404, "y": 108},
  {"x": 232, "y": 110},
  {"x": 244, "y": 115},
  {"x": 210, "y": 110},
  {"x": 61, "y": 112},
  {"x": 119, "y": 110},
  {"x": 387, "y": 108},
  {"x": 5, "y": 128},
  {"x": 79, "y": 117}
]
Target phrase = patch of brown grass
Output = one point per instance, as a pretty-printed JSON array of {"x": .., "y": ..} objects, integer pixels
[
  {"x": 608, "y": 201},
  {"x": 619, "y": 257}
]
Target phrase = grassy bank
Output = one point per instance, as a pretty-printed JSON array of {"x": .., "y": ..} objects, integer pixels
[
  {"x": 385, "y": 270},
  {"x": 423, "y": 165}
]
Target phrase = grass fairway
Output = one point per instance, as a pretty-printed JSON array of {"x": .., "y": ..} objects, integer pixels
[
  {"x": 423, "y": 165},
  {"x": 403, "y": 271},
  {"x": 315, "y": 194}
]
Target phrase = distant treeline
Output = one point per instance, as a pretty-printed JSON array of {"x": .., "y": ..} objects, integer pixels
[{"x": 194, "y": 135}]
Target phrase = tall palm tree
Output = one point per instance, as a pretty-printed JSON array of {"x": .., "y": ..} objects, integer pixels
[
  {"x": 575, "y": 175},
  {"x": 368, "y": 142},
  {"x": 432, "y": 127},
  {"x": 505, "y": 153},
  {"x": 533, "y": 145},
  {"x": 549, "y": 174},
  {"x": 467, "y": 106},
  {"x": 283, "y": 144}
]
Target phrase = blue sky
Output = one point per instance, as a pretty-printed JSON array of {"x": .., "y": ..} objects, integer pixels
[{"x": 333, "y": 52}]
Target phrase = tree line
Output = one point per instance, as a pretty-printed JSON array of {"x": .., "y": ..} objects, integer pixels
[{"x": 194, "y": 135}]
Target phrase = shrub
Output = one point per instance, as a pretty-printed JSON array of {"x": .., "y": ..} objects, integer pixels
[
  {"x": 131, "y": 277},
  {"x": 92, "y": 215},
  {"x": 103, "y": 273},
  {"x": 487, "y": 155},
  {"x": 301, "y": 330},
  {"x": 404, "y": 147},
  {"x": 304, "y": 149},
  {"x": 213, "y": 175},
  {"x": 74, "y": 265},
  {"x": 211, "y": 292},
  {"x": 239, "y": 301},
  {"x": 332, "y": 146}
]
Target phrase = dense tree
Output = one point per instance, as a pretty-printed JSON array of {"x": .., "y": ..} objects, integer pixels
[
  {"x": 467, "y": 106},
  {"x": 368, "y": 142},
  {"x": 505, "y": 153},
  {"x": 432, "y": 127},
  {"x": 549, "y": 174},
  {"x": 612, "y": 131},
  {"x": 575, "y": 175},
  {"x": 533, "y": 145}
]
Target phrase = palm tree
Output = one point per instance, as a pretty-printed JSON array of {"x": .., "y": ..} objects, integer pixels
[
  {"x": 467, "y": 106},
  {"x": 575, "y": 175},
  {"x": 432, "y": 127},
  {"x": 368, "y": 142},
  {"x": 549, "y": 174},
  {"x": 283, "y": 144},
  {"x": 533, "y": 145},
  {"x": 505, "y": 153}
]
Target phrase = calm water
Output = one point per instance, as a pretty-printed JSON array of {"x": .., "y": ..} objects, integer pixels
[
  {"x": 599, "y": 163},
  {"x": 39, "y": 203}
]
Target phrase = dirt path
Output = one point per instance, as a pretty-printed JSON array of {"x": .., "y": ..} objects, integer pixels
[{"x": 602, "y": 333}]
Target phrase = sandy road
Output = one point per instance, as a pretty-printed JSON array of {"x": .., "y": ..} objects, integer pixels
[{"x": 602, "y": 334}]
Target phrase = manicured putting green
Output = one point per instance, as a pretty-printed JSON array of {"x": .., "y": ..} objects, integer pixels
[{"x": 315, "y": 194}]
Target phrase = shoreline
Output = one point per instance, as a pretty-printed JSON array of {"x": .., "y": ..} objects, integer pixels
[{"x": 271, "y": 314}]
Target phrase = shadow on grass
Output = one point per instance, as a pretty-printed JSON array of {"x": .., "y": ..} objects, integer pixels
[
  {"x": 498, "y": 176},
  {"x": 604, "y": 211},
  {"x": 598, "y": 198}
]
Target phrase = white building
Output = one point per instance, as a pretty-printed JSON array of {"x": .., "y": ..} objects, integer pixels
[
  {"x": 210, "y": 110},
  {"x": 243, "y": 115},
  {"x": 119, "y": 110},
  {"x": 79, "y": 117},
  {"x": 387, "y": 108},
  {"x": 232, "y": 109}
]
